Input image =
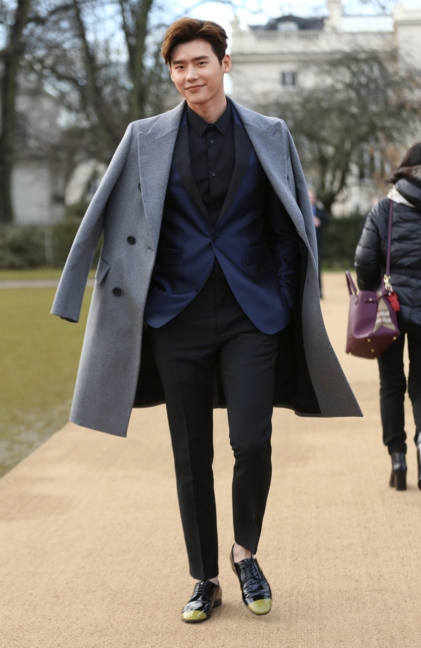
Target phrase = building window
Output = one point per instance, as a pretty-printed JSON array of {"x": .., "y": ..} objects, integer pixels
[
  {"x": 288, "y": 25},
  {"x": 288, "y": 79}
]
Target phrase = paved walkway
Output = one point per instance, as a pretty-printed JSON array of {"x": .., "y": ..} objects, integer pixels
[
  {"x": 33, "y": 283},
  {"x": 92, "y": 554}
]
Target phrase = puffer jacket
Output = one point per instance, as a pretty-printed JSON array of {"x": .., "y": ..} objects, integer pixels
[{"x": 405, "y": 264}]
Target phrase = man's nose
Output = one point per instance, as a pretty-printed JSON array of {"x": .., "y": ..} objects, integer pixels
[{"x": 191, "y": 73}]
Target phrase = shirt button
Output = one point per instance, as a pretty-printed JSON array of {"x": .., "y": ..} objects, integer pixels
[
  {"x": 131, "y": 240},
  {"x": 213, "y": 174},
  {"x": 211, "y": 141},
  {"x": 117, "y": 292}
]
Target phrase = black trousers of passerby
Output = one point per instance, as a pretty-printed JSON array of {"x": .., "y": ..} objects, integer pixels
[
  {"x": 393, "y": 386},
  {"x": 213, "y": 334}
]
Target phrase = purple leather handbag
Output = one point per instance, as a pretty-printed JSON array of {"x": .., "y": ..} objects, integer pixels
[{"x": 372, "y": 321}]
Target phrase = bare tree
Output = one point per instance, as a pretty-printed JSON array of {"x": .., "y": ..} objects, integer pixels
[
  {"x": 358, "y": 101},
  {"x": 102, "y": 61},
  {"x": 98, "y": 59},
  {"x": 15, "y": 22}
]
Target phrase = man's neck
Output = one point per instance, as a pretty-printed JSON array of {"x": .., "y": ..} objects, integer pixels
[{"x": 210, "y": 111}]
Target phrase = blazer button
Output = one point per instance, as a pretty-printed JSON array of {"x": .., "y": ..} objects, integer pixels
[
  {"x": 131, "y": 240},
  {"x": 215, "y": 238},
  {"x": 117, "y": 292}
]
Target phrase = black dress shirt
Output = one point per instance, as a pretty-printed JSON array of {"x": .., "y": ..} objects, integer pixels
[{"x": 212, "y": 156}]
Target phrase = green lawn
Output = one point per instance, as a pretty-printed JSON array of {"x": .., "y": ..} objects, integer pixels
[{"x": 39, "y": 355}]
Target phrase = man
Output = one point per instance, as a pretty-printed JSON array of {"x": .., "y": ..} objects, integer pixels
[
  {"x": 206, "y": 296},
  {"x": 320, "y": 222}
]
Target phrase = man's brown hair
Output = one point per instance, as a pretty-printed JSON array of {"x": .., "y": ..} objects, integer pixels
[{"x": 186, "y": 30}]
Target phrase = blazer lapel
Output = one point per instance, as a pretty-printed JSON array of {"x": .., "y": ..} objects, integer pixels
[
  {"x": 183, "y": 164},
  {"x": 155, "y": 152},
  {"x": 243, "y": 150},
  {"x": 270, "y": 149}
]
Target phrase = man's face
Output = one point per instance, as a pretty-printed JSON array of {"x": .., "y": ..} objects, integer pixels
[
  {"x": 312, "y": 196},
  {"x": 196, "y": 71}
]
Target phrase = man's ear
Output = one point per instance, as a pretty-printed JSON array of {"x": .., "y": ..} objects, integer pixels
[{"x": 227, "y": 63}]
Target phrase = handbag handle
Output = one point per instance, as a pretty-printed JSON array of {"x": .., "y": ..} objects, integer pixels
[{"x": 352, "y": 289}]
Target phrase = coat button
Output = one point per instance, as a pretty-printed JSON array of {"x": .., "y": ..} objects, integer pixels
[
  {"x": 139, "y": 187},
  {"x": 117, "y": 292},
  {"x": 215, "y": 238},
  {"x": 131, "y": 240}
]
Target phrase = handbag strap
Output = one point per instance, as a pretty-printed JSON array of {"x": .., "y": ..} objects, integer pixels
[
  {"x": 352, "y": 289},
  {"x": 389, "y": 247}
]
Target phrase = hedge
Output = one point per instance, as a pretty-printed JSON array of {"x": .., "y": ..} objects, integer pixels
[
  {"x": 340, "y": 239},
  {"x": 29, "y": 246}
]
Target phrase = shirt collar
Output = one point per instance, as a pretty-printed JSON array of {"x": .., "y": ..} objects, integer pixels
[{"x": 199, "y": 125}]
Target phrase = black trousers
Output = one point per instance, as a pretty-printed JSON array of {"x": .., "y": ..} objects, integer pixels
[
  {"x": 393, "y": 385},
  {"x": 213, "y": 334}
]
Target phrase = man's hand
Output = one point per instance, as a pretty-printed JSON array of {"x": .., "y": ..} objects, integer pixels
[{"x": 317, "y": 221}]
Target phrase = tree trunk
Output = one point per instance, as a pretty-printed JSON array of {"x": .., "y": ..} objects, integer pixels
[
  {"x": 11, "y": 60},
  {"x": 107, "y": 126},
  {"x": 137, "y": 55}
]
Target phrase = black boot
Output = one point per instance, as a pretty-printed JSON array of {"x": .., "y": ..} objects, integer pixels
[{"x": 398, "y": 476}]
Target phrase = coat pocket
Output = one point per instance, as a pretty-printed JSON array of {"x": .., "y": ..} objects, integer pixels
[
  {"x": 102, "y": 269},
  {"x": 166, "y": 256},
  {"x": 258, "y": 254}
]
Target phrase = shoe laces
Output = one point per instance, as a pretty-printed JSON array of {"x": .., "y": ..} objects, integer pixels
[
  {"x": 251, "y": 571},
  {"x": 203, "y": 588}
]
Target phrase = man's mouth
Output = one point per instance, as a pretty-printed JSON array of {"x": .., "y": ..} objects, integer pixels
[{"x": 194, "y": 87}]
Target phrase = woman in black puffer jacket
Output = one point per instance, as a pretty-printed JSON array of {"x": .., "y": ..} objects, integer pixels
[{"x": 405, "y": 278}]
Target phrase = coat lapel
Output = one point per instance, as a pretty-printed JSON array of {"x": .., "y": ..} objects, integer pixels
[
  {"x": 270, "y": 148},
  {"x": 155, "y": 151}
]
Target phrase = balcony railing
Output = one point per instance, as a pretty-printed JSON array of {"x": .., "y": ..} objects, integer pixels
[{"x": 287, "y": 35}]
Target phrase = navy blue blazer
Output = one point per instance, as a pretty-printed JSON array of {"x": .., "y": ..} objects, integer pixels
[{"x": 254, "y": 241}]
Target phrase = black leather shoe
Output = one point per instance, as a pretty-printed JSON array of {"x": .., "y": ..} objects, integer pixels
[
  {"x": 255, "y": 589},
  {"x": 205, "y": 597},
  {"x": 399, "y": 468}
]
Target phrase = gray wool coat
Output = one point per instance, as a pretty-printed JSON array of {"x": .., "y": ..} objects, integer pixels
[{"x": 128, "y": 206}]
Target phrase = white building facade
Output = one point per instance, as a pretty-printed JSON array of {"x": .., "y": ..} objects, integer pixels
[
  {"x": 270, "y": 60},
  {"x": 37, "y": 177}
]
